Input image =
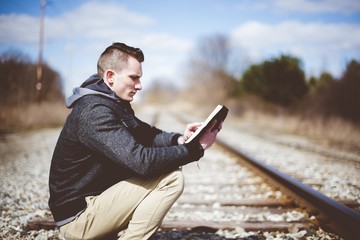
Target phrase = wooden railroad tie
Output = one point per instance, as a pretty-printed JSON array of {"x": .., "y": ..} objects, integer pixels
[
  {"x": 47, "y": 223},
  {"x": 38, "y": 223}
]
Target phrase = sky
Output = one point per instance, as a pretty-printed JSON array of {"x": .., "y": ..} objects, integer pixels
[{"x": 324, "y": 34}]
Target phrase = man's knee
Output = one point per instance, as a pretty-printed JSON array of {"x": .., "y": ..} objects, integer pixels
[
  {"x": 179, "y": 179},
  {"x": 175, "y": 181}
]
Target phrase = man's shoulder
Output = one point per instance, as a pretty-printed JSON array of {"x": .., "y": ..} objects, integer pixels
[
  {"x": 99, "y": 103},
  {"x": 93, "y": 99}
]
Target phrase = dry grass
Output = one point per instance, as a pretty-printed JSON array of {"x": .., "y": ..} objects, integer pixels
[
  {"x": 331, "y": 131},
  {"x": 328, "y": 131},
  {"x": 32, "y": 116}
]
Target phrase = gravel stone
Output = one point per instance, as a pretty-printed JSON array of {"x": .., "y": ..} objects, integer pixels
[{"x": 25, "y": 162}]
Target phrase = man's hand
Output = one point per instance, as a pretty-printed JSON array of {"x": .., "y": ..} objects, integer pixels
[
  {"x": 209, "y": 136},
  {"x": 189, "y": 130}
]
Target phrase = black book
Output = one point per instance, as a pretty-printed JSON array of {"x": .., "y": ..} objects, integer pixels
[{"x": 219, "y": 113}]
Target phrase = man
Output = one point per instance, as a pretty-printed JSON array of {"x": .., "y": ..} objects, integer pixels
[{"x": 110, "y": 171}]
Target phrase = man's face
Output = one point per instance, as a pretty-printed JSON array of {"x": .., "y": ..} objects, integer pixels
[{"x": 127, "y": 82}]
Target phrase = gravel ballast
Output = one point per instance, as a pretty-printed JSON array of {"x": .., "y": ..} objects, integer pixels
[{"x": 25, "y": 162}]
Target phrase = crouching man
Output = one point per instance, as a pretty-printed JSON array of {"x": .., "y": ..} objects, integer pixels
[{"x": 110, "y": 171}]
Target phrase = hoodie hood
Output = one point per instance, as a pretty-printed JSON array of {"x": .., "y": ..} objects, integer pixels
[{"x": 94, "y": 85}]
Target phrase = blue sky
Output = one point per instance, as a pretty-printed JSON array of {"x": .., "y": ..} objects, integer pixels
[{"x": 324, "y": 34}]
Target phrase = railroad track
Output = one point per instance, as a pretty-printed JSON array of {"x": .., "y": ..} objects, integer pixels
[
  {"x": 232, "y": 190},
  {"x": 229, "y": 192}
]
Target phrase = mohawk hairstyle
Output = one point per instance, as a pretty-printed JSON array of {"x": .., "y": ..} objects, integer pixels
[
  {"x": 134, "y": 52},
  {"x": 110, "y": 55}
]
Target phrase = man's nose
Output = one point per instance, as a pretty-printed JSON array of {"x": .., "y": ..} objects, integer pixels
[{"x": 138, "y": 86}]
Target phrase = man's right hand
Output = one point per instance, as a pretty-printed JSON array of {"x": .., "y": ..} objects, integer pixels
[{"x": 209, "y": 136}]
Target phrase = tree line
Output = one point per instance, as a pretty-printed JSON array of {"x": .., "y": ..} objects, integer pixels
[
  {"x": 279, "y": 81},
  {"x": 18, "y": 79},
  {"x": 213, "y": 76}
]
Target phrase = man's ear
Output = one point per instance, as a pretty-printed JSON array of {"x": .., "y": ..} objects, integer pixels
[{"x": 109, "y": 76}]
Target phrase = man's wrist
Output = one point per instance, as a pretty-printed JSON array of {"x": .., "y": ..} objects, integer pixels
[
  {"x": 201, "y": 149},
  {"x": 181, "y": 140},
  {"x": 195, "y": 149}
]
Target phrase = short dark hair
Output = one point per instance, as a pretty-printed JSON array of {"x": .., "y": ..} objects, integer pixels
[{"x": 117, "y": 52}]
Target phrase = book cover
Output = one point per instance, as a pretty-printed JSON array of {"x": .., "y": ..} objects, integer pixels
[{"x": 219, "y": 113}]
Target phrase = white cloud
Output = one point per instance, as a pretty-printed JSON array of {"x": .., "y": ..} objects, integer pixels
[
  {"x": 92, "y": 20},
  {"x": 95, "y": 20},
  {"x": 19, "y": 28},
  {"x": 90, "y": 33},
  {"x": 75, "y": 39},
  {"x": 163, "y": 54},
  {"x": 321, "y": 6},
  {"x": 317, "y": 44},
  {"x": 165, "y": 42},
  {"x": 346, "y": 7}
]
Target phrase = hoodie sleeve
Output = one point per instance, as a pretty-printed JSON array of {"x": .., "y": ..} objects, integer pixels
[
  {"x": 154, "y": 136},
  {"x": 103, "y": 132}
]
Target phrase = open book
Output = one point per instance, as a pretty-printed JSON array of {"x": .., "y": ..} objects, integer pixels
[{"x": 219, "y": 113}]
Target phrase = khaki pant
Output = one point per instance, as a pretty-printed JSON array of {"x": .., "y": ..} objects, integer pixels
[{"x": 136, "y": 205}]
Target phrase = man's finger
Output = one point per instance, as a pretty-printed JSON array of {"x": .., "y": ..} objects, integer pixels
[
  {"x": 220, "y": 126},
  {"x": 194, "y": 126},
  {"x": 212, "y": 125}
]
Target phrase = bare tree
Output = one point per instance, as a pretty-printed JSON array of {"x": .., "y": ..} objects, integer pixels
[
  {"x": 208, "y": 69},
  {"x": 214, "y": 51}
]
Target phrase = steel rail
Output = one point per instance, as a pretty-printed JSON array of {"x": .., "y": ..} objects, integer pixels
[{"x": 334, "y": 216}]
